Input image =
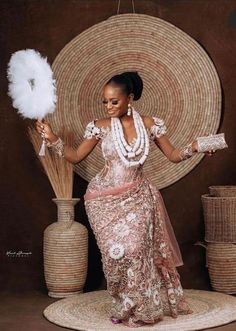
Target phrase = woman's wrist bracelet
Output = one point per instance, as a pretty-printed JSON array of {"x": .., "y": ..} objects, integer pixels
[
  {"x": 57, "y": 147},
  {"x": 186, "y": 152}
]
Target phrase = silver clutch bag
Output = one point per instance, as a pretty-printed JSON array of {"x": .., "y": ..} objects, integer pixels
[{"x": 211, "y": 142}]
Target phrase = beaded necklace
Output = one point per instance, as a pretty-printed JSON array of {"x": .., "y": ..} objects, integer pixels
[{"x": 125, "y": 151}]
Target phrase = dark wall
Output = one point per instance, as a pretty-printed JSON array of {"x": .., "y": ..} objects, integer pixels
[{"x": 25, "y": 202}]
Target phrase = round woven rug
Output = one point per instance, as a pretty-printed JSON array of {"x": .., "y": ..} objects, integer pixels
[
  {"x": 90, "y": 311},
  {"x": 181, "y": 86}
]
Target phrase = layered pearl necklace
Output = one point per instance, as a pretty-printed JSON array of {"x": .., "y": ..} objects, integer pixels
[{"x": 126, "y": 151}]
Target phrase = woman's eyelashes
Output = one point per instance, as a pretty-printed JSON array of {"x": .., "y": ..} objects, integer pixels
[{"x": 114, "y": 102}]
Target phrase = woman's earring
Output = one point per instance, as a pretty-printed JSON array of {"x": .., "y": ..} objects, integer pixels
[{"x": 129, "y": 109}]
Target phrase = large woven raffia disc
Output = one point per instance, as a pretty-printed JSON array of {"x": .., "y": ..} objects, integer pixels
[
  {"x": 90, "y": 311},
  {"x": 181, "y": 86}
]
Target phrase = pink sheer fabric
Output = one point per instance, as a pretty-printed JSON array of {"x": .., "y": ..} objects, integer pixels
[
  {"x": 138, "y": 246},
  {"x": 167, "y": 227}
]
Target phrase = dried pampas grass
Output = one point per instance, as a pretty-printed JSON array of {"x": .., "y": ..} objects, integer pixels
[{"x": 59, "y": 170}]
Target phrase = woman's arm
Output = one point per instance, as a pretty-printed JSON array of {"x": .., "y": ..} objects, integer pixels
[
  {"x": 161, "y": 139},
  {"x": 57, "y": 144},
  {"x": 69, "y": 153},
  {"x": 85, "y": 148},
  {"x": 175, "y": 155}
]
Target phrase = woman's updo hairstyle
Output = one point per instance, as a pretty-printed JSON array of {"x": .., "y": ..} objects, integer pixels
[{"x": 130, "y": 82}]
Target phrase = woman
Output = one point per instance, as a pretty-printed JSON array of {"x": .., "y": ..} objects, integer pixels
[{"x": 126, "y": 210}]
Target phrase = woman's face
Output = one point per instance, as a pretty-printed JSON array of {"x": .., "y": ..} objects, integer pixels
[{"x": 115, "y": 100}]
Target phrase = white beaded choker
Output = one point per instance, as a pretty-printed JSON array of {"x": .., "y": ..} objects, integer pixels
[{"x": 126, "y": 151}]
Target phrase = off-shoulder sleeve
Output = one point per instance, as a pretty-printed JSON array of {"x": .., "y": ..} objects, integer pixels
[
  {"x": 92, "y": 130},
  {"x": 158, "y": 129}
]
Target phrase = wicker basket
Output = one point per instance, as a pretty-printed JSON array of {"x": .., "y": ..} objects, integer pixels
[
  {"x": 221, "y": 259},
  {"x": 223, "y": 191},
  {"x": 220, "y": 218}
]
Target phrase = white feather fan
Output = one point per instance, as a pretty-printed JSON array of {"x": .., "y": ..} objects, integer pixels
[{"x": 32, "y": 87}]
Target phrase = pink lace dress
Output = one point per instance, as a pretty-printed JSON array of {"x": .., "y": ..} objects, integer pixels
[{"x": 134, "y": 234}]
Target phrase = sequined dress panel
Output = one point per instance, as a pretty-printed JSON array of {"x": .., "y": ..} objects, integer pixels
[{"x": 134, "y": 234}]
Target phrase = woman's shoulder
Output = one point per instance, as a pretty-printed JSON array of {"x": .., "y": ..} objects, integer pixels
[
  {"x": 155, "y": 125},
  {"x": 102, "y": 122},
  {"x": 150, "y": 121},
  {"x": 97, "y": 128},
  {"x": 147, "y": 120}
]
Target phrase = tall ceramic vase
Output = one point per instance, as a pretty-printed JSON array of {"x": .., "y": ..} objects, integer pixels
[{"x": 65, "y": 251}]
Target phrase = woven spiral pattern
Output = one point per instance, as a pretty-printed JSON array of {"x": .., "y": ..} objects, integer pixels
[
  {"x": 90, "y": 311},
  {"x": 181, "y": 86}
]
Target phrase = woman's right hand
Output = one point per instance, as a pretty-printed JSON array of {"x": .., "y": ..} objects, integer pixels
[{"x": 44, "y": 128}]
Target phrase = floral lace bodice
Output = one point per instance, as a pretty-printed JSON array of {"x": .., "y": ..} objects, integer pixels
[{"x": 114, "y": 172}]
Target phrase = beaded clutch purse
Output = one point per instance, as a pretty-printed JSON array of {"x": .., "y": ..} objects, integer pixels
[{"x": 211, "y": 142}]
